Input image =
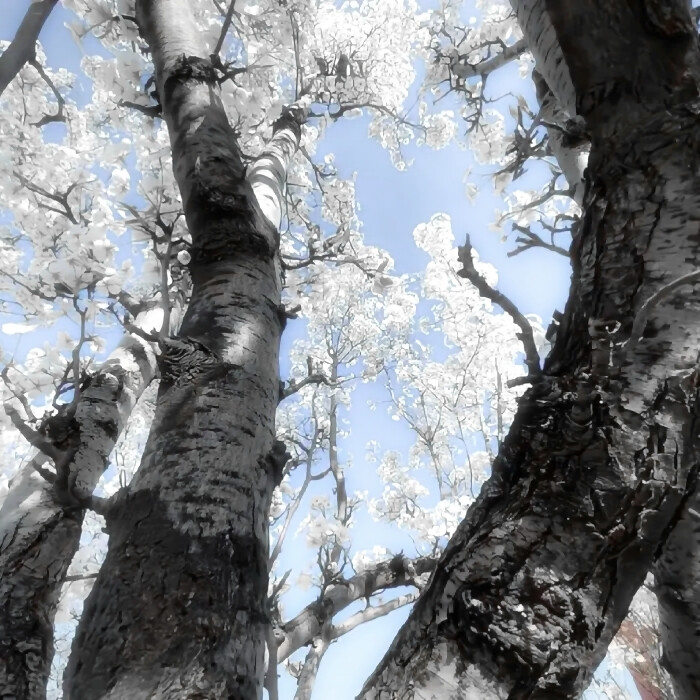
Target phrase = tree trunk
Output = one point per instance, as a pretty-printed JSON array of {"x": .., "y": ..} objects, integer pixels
[
  {"x": 677, "y": 578},
  {"x": 178, "y": 609},
  {"x": 40, "y": 525},
  {"x": 604, "y": 451}
]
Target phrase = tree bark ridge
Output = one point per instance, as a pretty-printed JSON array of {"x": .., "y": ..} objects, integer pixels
[
  {"x": 604, "y": 452},
  {"x": 179, "y": 607}
]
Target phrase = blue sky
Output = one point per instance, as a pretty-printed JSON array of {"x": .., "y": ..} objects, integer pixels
[{"x": 393, "y": 204}]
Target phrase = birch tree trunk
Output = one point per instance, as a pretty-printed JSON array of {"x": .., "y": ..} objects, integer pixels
[
  {"x": 178, "y": 609},
  {"x": 604, "y": 452}
]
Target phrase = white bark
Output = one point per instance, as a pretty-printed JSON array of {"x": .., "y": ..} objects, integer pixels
[
  {"x": 268, "y": 174},
  {"x": 541, "y": 36}
]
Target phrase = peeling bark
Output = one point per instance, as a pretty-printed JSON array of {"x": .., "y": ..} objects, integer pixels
[
  {"x": 179, "y": 607},
  {"x": 604, "y": 452},
  {"x": 39, "y": 536},
  {"x": 22, "y": 49}
]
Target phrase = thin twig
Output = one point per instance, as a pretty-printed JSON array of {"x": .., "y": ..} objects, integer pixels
[
  {"x": 75, "y": 355},
  {"x": 469, "y": 272},
  {"x": 59, "y": 198},
  {"x": 294, "y": 506},
  {"x": 532, "y": 240}
]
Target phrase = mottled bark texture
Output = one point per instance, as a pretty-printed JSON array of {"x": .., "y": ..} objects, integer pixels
[
  {"x": 22, "y": 49},
  {"x": 604, "y": 451},
  {"x": 40, "y": 522},
  {"x": 178, "y": 609},
  {"x": 677, "y": 578}
]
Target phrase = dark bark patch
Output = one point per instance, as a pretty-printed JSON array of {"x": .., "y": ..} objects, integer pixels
[{"x": 195, "y": 597}]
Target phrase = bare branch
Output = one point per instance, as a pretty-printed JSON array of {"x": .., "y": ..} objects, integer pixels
[
  {"x": 293, "y": 387},
  {"x": 37, "y": 465},
  {"x": 469, "y": 272},
  {"x": 483, "y": 68},
  {"x": 80, "y": 577},
  {"x": 343, "y": 511},
  {"x": 308, "y": 478},
  {"x": 372, "y": 613},
  {"x": 61, "y": 199},
  {"x": 224, "y": 28},
  {"x": 309, "y": 671},
  {"x": 530, "y": 239},
  {"x": 398, "y": 571},
  {"x": 152, "y": 111},
  {"x": 271, "y": 676}
]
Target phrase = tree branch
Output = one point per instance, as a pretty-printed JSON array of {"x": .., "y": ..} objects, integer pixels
[
  {"x": 469, "y": 272},
  {"x": 531, "y": 240},
  {"x": 48, "y": 118},
  {"x": 309, "y": 671},
  {"x": 267, "y": 175},
  {"x": 23, "y": 47},
  {"x": 293, "y": 387},
  {"x": 33, "y": 437},
  {"x": 151, "y": 111},
  {"x": 224, "y": 28},
  {"x": 398, "y": 571},
  {"x": 372, "y": 612},
  {"x": 486, "y": 67}
]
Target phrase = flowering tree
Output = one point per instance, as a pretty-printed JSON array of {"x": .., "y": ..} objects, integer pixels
[{"x": 160, "y": 222}]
